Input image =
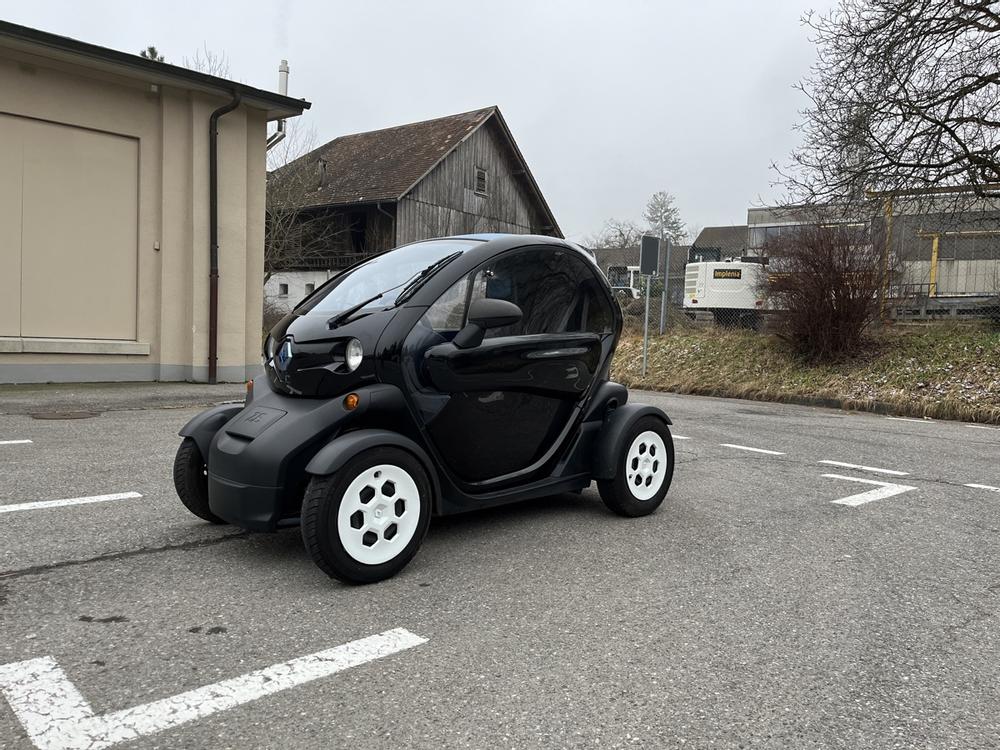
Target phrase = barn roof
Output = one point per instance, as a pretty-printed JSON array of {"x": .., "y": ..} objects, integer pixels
[{"x": 384, "y": 165}]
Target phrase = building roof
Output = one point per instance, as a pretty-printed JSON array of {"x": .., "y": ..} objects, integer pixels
[
  {"x": 731, "y": 239},
  {"x": 629, "y": 256},
  {"x": 382, "y": 166},
  {"x": 73, "y": 51}
]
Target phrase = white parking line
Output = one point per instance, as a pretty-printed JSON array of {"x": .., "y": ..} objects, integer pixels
[
  {"x": 56, "y": 715},
  {"x": 754, "y": 450},
  {"x": 71, "y": 501},
  {"x": 873, "y": 469},
  {"x": 885, "y": 489},
  {"x": 14, "y": 442},
  {"x": 983, "y": 427},
  {"x": 680, "y": 437},
  {"x": 984, "y": 487},
  {"x": 908, "y": 419}
]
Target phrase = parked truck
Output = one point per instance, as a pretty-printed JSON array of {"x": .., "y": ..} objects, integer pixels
[{"x": 732, "y": 291}]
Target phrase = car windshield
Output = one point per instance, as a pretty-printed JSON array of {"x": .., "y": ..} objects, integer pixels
[{"x": 383, "y": 273}]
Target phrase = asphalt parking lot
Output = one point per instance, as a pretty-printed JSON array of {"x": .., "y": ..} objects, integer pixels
[{"x": 814, "y": 579}]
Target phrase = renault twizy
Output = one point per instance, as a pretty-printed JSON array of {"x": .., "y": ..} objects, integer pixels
[{"x": 440, "y": 377}]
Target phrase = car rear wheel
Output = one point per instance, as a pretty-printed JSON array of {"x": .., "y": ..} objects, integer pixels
[
  {"x": 645, "y": 470},
  {"x": 191, "y": 480},
  {"x": 365, "y": 522}
]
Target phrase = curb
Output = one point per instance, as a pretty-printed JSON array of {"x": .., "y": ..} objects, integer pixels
[{"x": 919, "y": 411}]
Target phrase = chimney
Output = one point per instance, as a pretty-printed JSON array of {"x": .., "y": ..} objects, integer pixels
[{"x": 279, "y": 135}]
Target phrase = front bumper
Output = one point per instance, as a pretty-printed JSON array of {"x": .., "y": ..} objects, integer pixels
[{"x": 256, "y": 462}]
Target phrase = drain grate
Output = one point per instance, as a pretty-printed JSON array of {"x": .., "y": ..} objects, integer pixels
[{"x": 64, "y": 414}]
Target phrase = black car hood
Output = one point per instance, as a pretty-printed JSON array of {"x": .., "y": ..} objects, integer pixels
[{"x": 316, "y": 367}]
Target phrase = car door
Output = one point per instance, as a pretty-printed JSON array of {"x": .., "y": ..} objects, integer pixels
[{"x": 494, "y": 410}]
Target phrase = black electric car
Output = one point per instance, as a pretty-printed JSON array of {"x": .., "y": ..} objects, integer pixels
[{"x": 440, "y": 377}]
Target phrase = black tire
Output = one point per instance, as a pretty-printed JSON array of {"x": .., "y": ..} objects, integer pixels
[
  {"x": 191, "y": 481},
  {"x": 321, "y": 523},
  {"x": 619, "y": 493}
]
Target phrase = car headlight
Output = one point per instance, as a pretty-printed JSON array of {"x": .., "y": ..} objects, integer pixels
[{"x": 353, "y": 355}]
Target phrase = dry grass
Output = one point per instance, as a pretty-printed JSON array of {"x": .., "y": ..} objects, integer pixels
[{"x": 940, "y": 371}]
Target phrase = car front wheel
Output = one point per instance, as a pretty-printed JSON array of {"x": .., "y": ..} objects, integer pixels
[
  {"x": 645, "y": 470},
  {"x": 191, "y": 480},
  {"x": 365, "y": 522}
]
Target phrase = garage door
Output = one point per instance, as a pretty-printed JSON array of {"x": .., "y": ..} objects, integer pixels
[{"x": 68, "y": 228}]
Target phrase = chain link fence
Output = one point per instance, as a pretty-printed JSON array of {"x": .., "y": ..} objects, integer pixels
[{"x": 621, "y": 266}]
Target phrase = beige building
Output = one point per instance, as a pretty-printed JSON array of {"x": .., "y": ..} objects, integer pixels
[{"x": 106, "y": 215}]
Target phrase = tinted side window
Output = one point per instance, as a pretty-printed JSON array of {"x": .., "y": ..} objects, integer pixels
[
  {"x": 557, "y": 292},
  {"x": 448, "y": 311}
]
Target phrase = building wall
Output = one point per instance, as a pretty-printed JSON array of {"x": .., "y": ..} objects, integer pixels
[
  {"x": 445, "y": 202},
  {"x": 109, "y": 261},
  {"x": 286, "y": 289},
  {"x": 968, "y": 239}
]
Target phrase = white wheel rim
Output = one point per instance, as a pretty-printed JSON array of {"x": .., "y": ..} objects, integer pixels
[
  {"x": 646, "y": 465},
  {"x": 378, "y": 514}
]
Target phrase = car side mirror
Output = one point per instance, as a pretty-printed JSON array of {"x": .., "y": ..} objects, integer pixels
[{"x": 483, "y": 315}]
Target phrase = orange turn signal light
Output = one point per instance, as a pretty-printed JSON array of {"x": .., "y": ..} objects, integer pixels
[{"x": 351, "y": 401}]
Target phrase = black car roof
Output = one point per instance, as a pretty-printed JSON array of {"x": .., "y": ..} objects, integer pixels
[{"x": 491, "y": 245}]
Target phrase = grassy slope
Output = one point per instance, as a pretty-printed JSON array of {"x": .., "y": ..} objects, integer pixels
[{"x": 946, "y": 372}]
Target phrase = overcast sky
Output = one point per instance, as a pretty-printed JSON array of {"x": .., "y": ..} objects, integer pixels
[{"x": 609, "y": 101}]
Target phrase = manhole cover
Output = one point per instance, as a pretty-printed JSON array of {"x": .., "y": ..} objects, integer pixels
[{"x": 64, "y": 414}]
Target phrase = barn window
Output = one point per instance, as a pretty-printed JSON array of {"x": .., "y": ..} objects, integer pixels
[
  {"x": 310, "y": 288},
  {"x": 282, "y": 290},
  {"x": 481, "y": 181}
]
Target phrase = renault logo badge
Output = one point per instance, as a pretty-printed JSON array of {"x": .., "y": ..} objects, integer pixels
[{"x": 284, "y": 355}]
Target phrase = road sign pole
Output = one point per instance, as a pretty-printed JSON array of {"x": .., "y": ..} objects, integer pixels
[{"x": 645, "y": 328}]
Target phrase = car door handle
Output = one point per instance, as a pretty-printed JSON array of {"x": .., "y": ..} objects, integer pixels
[{"x": 550, "y": 353}]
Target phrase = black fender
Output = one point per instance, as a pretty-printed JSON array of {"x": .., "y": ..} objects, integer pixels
[
  {"x": 608, "y": 395},
  {"x": 611, "y": 441},
  {"x": 203, "y": 427},
  {"x": 343, "y": 448}
]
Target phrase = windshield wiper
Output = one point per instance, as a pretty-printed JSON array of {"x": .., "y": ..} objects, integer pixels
[
  {"x": 410, "y": 286},
  {"x": 343, "y": 316},
  {"x": 418, "y": 281}
]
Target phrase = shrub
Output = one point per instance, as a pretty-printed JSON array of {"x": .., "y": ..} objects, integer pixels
[
  {"x": 826, "y": 284},
  {"x": 273, "y": 313}
]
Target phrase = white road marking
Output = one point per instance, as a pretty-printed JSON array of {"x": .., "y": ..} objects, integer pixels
[
  {"x": 14, "y": 442},
  {"x": 873, "y": 469},
  {"x": 754, "y": 450},
  {"x": 56, "y": 716},
  {"x": 680, "y": 437},
  {"x": 908, "y": 419},
  {"x": 884, "y": 490},
  {"x": 984, "y": 487},
  {"x": 71, "y": 501},
  {"x": 983, "y": 427}
]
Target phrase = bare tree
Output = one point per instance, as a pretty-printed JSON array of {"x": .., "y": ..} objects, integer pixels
[
  {"x": 208, "y": 62},
  {"x": 905, "y": 95},
  {"x": 297, "y": 233},
  {"x": 616, "y": 233},
  {"x": 151, "y": 53},
  {"x": 664, "y": 218},
  {"x": 827, "y": 283}
]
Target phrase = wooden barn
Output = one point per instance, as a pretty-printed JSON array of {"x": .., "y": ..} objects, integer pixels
[{"x": 365, "y": 193}]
